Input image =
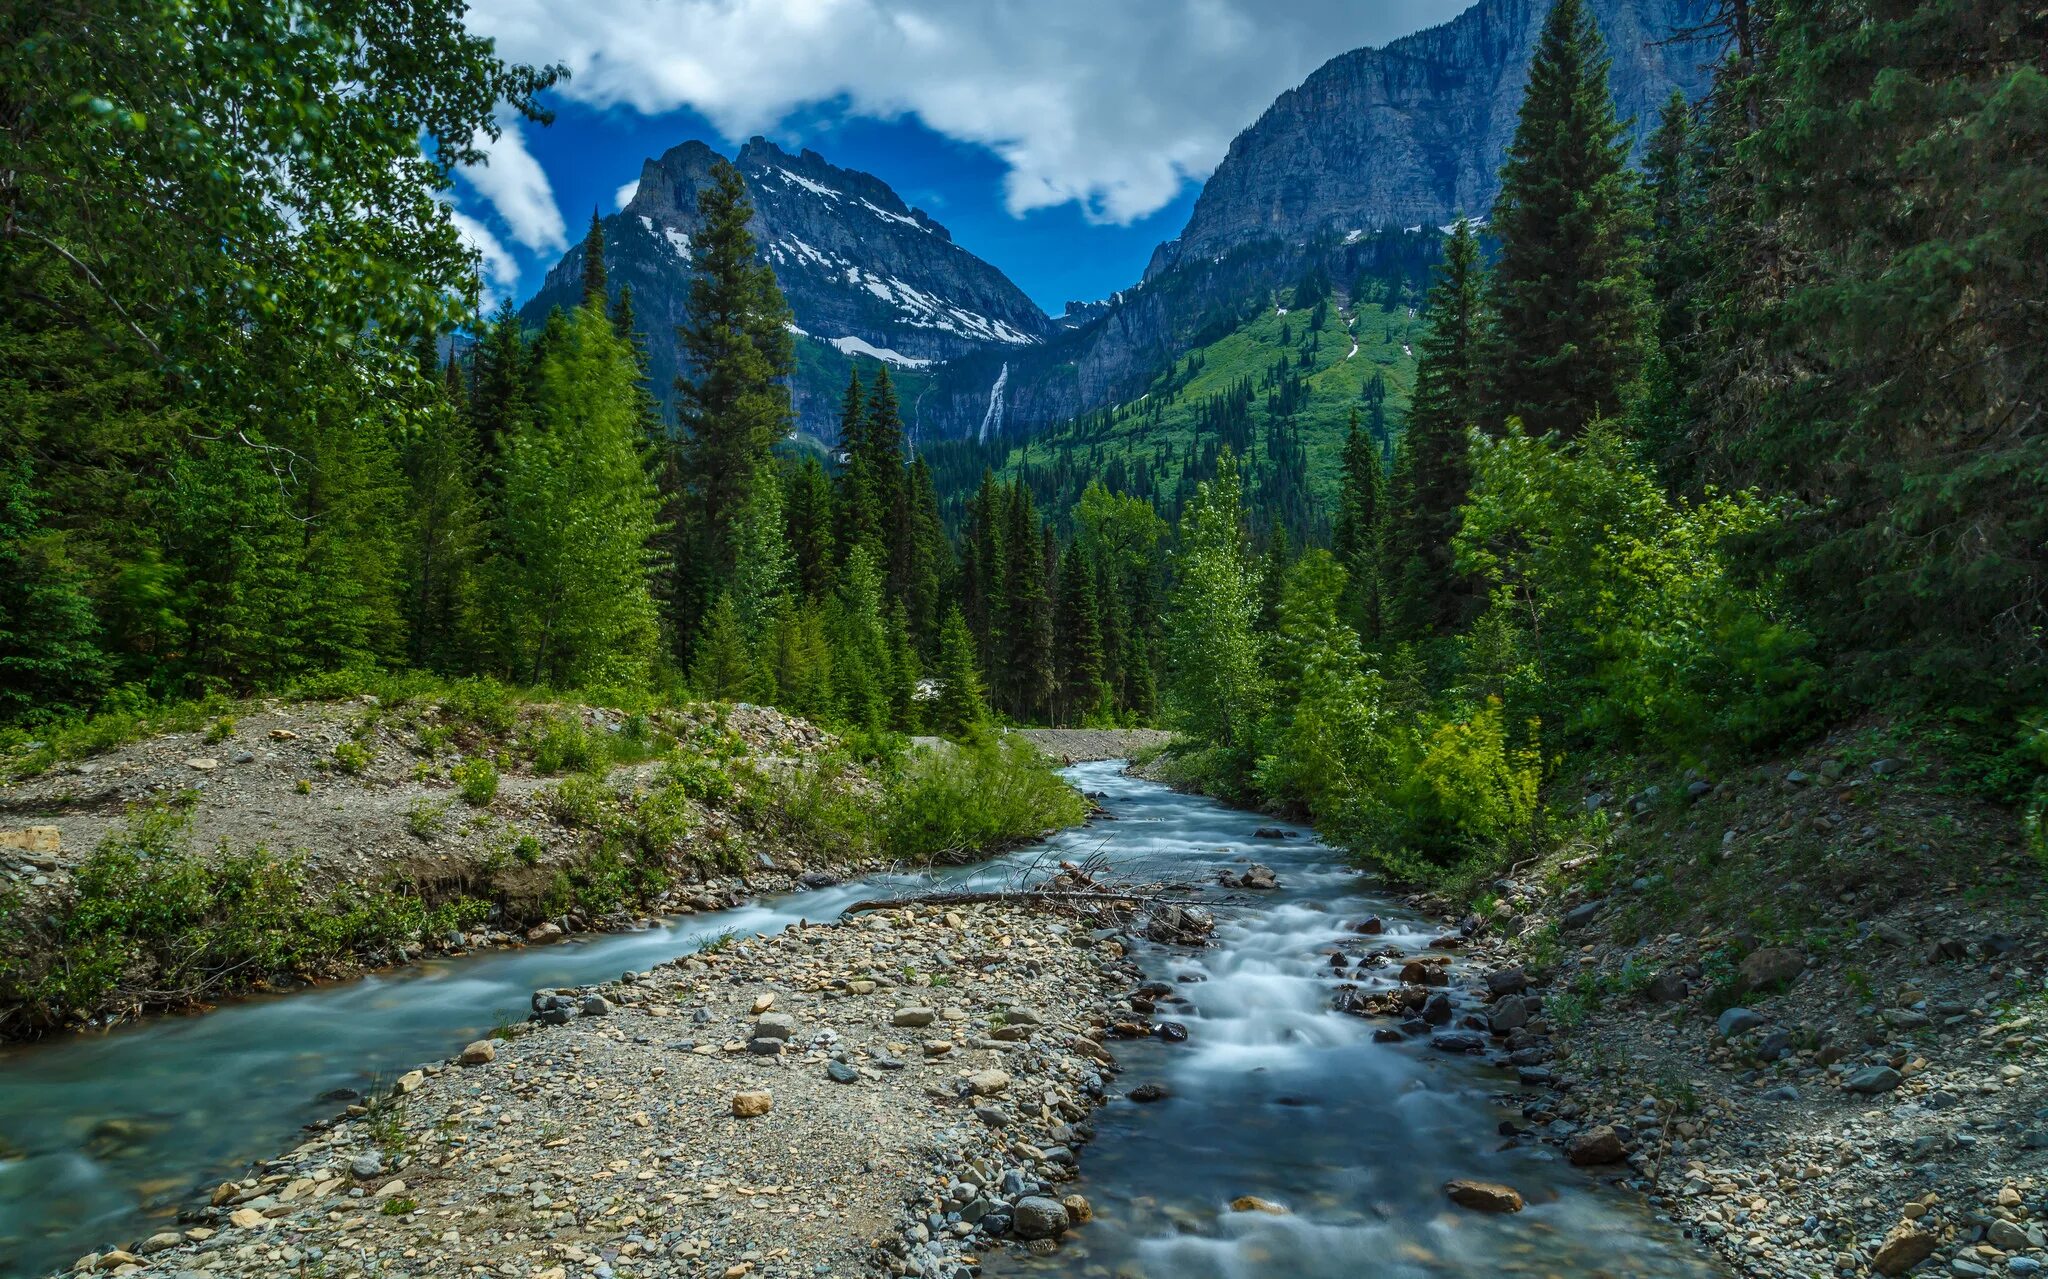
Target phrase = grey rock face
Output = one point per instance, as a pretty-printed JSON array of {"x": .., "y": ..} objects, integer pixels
[
  {"x": 1414, "y": 133},
  {"x": 863, "y": 272}
]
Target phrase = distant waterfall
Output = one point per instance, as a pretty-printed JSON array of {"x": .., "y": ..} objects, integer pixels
[{"x": 992, "y": 421}]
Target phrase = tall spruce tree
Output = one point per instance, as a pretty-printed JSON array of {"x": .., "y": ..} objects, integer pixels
[
  {"x": 734, "y": 402},
  {"x": 807, "y": 510},
  {"x": 1359, "y": 538},
  {"x": 960, "y": 707},
  {"x": 1567, "y": 290},
  {"x": 853, "y": 493},
  {"x": 1428, "y": 595},
  {"x": 571, "y": 585},
  {"x": 1027, "y": 674},
  {"x": 1077, "y": 640},
  {"x": 595, "y": 287},
  {"x": 1901, "y": 156}
]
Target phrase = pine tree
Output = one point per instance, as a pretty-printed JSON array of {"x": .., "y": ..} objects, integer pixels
[
  {"x": 1567, "y": 295},
  {"x": 1077, "y": 637},
  {"x": 1428, "y": 595},
  {"x": 1027, "y": 675},
  {"x": 595, "y": 291},
  {"x": 50, "y": 658},
  {"x": 927, "y": 557},
  {"x": 1900, "y": 157},
  {"x": 853, "y": 490},
  {"x": 444, "y": 538},
  {"x": 499, "y": 402},
  {"x": 807, "y": 510},
  {"x": 1675, "y": 272},
  {"x": 580, "y": 512},
  {"x": 981, "y": 575},
  {"x": 735, "y": 404},
  {"x": 723, "y": 669},
  {"x": 1359, "y": 540},
  {"x": 960, "y": 707}
]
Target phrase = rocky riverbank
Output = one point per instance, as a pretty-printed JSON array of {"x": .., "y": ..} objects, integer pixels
[
  {"x": 882, "y": 1095},
  {"x": 1803, "y": 1010}
]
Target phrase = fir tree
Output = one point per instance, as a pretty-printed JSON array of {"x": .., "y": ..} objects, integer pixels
[
  {"x": 580, "y": 512},
  {"x": 444, "y": 539},
  {"x": 1567, "y": 295},
  {"x": 723, "y": 669},
  {"x": 1077, "y": 636},
  {"x": 595, "y": 291},
  {"x": 1027, "y": 675},
  {"x": 50, "y": 658},
  {"x": 1429, "y": 596},
  {"x": 853, "y": 489},
  {"x": 1359, "y": 540},
  {"x": 807, "y": 509},
  {"x": 735, "y": 404},
  {"x": 960, "y": 707},
  {"x": 499, "y": 402}
]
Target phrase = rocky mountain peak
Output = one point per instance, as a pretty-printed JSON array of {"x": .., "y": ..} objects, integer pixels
[{"x": 1413, "y": 134}]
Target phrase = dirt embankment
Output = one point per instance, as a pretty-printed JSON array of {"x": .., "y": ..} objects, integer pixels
[
  {"x": 1079, "y": 745},
  {"x": 1805, "y": 1009},
  {"x": 525, "y": 814}
]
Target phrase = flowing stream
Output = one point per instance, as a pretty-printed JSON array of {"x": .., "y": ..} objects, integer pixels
[{"x": 104, "y": 1136}]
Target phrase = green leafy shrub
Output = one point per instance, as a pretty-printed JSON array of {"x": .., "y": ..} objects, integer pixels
[
  {"x": 127, "y": 714},
  {"x": 581, "y": 800},
  {"x": 151, "y": 925},
  {"x": 664, "y": 819},
  {"x": 220, "y": 730},
  {"x": 952, "y": 803},
  {"x": 527, "y": 850},
  {"x": 698, "y": 777},
  {"x": 563, "y": 743},
  {"x": 483, "y": 703},
  {"x": 351, "y": 757},
  {"x": 476, "y": 780},
  {"x": 426, "y": 817}
]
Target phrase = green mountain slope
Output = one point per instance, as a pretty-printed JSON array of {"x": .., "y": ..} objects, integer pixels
[{"x": 1280, "y": 388}]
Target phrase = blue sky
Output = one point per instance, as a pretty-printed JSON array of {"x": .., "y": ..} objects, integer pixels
[{"x": 1059, "y": 139}]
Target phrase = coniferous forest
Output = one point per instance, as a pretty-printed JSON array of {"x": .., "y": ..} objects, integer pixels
[{"x": 1701, "y": 452}]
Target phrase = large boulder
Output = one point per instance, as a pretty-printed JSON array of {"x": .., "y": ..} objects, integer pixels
[
  {"x": 1597, "y": 1145},
  {"x": 1769, "y": 967},
  {"x": 1038, "y": 1217}
]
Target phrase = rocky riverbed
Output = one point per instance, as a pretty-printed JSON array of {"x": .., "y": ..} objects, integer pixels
[
  {"x": 1864, "y": 1093},
  {"x": 873, "y": 1096}
]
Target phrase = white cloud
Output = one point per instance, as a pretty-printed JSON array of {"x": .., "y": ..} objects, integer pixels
[
  {"x": 500, "y": 269},
  {"x": 624, "y": 195},
  {"x": 516, "y": 186},
  {"x": 1113, "y": 105}
]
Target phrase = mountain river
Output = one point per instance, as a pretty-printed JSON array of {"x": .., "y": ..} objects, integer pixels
[{"x": 1274, "y": 1095}]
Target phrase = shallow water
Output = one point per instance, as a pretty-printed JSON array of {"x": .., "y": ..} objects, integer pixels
[
  {"x": 103, "y": 1137},
  {"x": 1274, "y": 1095}
]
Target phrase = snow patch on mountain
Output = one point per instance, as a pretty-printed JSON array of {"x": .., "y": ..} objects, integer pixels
[
  {"x": 815, "y": 188},
  {"x": 856, "y": 346}
]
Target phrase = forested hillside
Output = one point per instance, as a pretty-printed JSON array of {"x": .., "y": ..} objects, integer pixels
[{"x": 1704, "y": 455}]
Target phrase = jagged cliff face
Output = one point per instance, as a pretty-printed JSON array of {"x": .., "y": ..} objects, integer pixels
[
  {"x": 1410, "y": 135},
  {"x": 864, "y": 273},
  {"x": 1414, "y": 133}
]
